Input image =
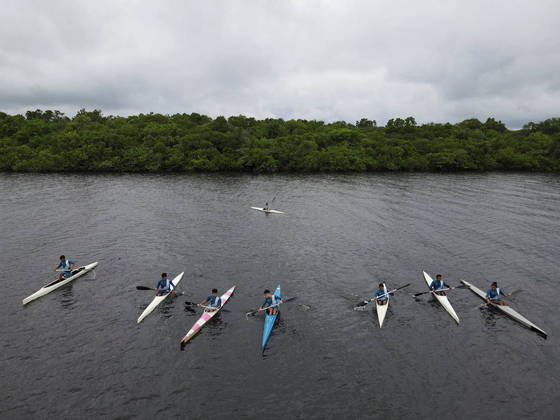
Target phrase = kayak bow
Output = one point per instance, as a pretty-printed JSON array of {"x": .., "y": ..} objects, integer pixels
[
  {"x": 442, "y": 299},
  {"x": 507, "y": 310},
  {"x": 205, "y": 317},
  {"x": 158, "y": 299},
  {"x": 79, "y": 272}
]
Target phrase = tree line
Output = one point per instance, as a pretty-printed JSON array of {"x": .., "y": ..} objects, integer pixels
[{"x": 49, "y": 141}]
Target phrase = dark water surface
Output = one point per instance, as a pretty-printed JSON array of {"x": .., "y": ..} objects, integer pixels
[{"x": 79, "y": 353}]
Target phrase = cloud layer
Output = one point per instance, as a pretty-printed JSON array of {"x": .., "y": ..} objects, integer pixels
[{"x": 329, "y": 60}]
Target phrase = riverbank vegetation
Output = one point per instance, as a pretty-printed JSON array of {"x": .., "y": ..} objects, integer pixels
[{"x": 49, "y": 141}]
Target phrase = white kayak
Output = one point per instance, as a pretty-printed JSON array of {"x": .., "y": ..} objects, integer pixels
[
  {"x": 78, "y": 272},
  {"x": 382, "y": 309},
  {"x": 442, "y": 299},
  {"x": 158, "y": 299},
  {"x": 507, "y": 310},
  {"x": 267, "y": 211}
]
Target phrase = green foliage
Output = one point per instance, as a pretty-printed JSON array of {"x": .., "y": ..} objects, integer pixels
[{"x": 48, "y": 141}]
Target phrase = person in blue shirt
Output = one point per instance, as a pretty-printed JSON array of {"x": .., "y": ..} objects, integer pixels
[
  {"x": 212, "y": 302},
  {"x": 381, "y": 295},
  {"x": 270, "y": 303},
  {"x": 165, "y": 285},
  {"x": 493, "y": 295},
  {"x": 439, "y": 284},
  {"x": 65, "y": 267}
]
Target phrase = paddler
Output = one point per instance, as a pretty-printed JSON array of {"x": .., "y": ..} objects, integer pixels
[
  {"x": 212, "y": 302},
  {"x": 493, "y": 295},
  {"x": 65, "y": 267},
  {"x": 266, "y": 207},
  {"x": 165, "y": 285},
  {"x": 270, "y": 303},
  {"x": 381, "y": 295},
  {"x": 439, "y": 284}
]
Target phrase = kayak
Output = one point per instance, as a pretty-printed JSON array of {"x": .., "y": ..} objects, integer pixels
[
  {"x": 267, "y": 211},
  {"x": 79, "y": 272},
  {"x": 507, "y": 310},
  {"x": 269, "y": 321},
  {"x": 206, "y": 316},
  {"x": 442, "y": 299},
  {"x": 158, "y": 299},
  {"x": 382, "y": 309}
]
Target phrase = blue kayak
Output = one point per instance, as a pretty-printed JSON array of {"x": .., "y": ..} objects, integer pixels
[{"x": 269, "y": 321}]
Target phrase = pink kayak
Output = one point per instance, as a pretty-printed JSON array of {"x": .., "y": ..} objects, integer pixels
[{"x": 206, "y": 316}]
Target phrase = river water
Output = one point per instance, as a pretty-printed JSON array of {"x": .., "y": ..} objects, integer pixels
[{"x": 79, "y": 353}]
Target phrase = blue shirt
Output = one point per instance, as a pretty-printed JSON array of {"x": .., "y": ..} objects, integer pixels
[
  {"x": 437, "y": 284},
  {"x": 215, "y": 301},
  {"x": 380, "y": 293},
  {"x": 268, "y": 301},
  {"x": 494, "y": 294},
  {"x": 162, "y": 285},
  {"x": 62, "y": 264}
]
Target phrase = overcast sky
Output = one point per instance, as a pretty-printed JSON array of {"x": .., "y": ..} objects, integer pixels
[{"x": 436, "y": 60}]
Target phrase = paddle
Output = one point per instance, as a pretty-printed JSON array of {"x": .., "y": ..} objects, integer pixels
[
  {"x": 253, "y": 312},
  {"x": 188, "y": 303},
  {"x": 151, "y": 288},
  {"x": 365, "y": 302},
  {"x": 72, "y": 272},
  {"x": 439, "y": 290}
]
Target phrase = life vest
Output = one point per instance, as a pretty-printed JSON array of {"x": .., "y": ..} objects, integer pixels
[{"x": 66, "y": 265}]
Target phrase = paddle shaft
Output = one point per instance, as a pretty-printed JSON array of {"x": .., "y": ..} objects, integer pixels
[
  {"x": 384, "y": 294},
  {"x": 151, "y": 288},
  {"x": 438, "y": 290},
  {"x": 271, "y": 306}
]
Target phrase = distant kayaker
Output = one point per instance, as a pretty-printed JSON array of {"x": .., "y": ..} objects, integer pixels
[
  {"x": 165, "y": 285},
  {"x": 270, "y": 303},
  {"x": 212, "y": 302},
  {"x": 381, "y": 295},
  {"x": 439, "y": 284},
  {"x": 266, "y": 207},
  {"x": 493, "y": 295},
  {"x": 65, "y": 267}
]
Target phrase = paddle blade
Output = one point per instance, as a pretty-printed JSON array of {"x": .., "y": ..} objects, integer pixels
[
  {"x": 143, "y": 288},
  {"x": 250, "y": 313},
  {"x": 183, "y": 344}
]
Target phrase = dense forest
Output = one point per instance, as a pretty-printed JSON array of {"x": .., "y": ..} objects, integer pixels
[{"x": 48, "y": 141}]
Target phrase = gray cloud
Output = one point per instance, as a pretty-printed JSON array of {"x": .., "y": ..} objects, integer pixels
[{"x": 329, "y": 60}]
